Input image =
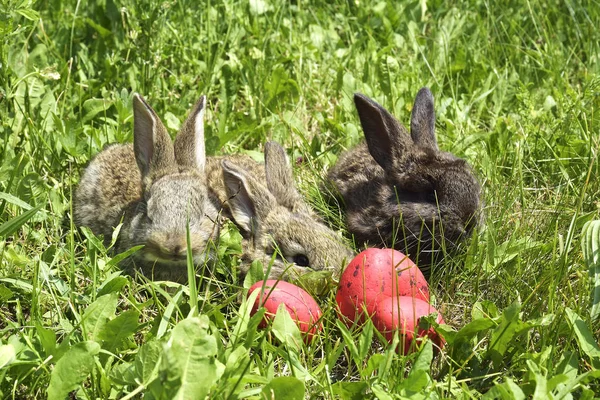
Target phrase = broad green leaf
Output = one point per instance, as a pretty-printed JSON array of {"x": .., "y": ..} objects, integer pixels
[
  {"x": 585, "y": 338},
  {"x": 349, "y": 341},
  {"x": 350, "y": 390},
  {"x": 237, "y": 359},
  {"x": 315, "y": 282},
  {"x": 285, "y": 328},
  {"x": 284, "y": 387},
  {"x": 298, "y": 367},
  {"x": 567, "y": 367},
  {"x": 121, "y": 256},
  {"x": 171, "y": 121},
  {"x": 563, "y": 391},
  {"x": 97, "y": 315},
  {"x": 93, "y": 239},
  {"x": 71, "y": 370},
  {"x": 92, "y": 107},
  {"x": 255, "y": 273},
  {"x": 47, "y": 338},
  {"x": 259, "y": 7},
  {"x": 20, "y": 284},
  {"x": 374, "y": 363},
  {"x": 191, "y": 359},
  {"x": 117, "y": 330},
  {"x": 424, "y": 358},
  {"x": 147, "y": 360},
  {"x": 113, "y": 284},
  {"x": 590, "y": 245},
  {"x": 12, "y": 225},
  {"x": 380, "y": 392},
  {"x": 28, "y": 13},
  {"x": 7, "y": 355},
  {"x": 415, "y": 383},
  {"x": 502, "y": 336},
  {"x": 5, "y": 294},
  {"x": 123, "y": 374},
  {"x": 541, "y": 382},
  {"x": 15, "y": 200},
  {"x": 365, "y": 340},
  {"x": 506, "y": 390},
  {"x": 474, "y": 327}
]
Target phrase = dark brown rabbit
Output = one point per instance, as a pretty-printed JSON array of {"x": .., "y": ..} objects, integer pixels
[{"x": 400, "y": 190}]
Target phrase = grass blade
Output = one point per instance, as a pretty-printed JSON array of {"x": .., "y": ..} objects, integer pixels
[
  {"x": 590, "y": 245},
  {"x": 12, "y": 225}
]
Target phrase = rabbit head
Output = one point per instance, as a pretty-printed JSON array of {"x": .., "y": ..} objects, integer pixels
[
  {"x": 275, "y": 221},
  {"x": 174, "y": 196},
  {"x": 409, "y": 195}
]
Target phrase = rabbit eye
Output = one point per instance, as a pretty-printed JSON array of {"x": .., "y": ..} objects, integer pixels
[{"x": 301, "y": 260}]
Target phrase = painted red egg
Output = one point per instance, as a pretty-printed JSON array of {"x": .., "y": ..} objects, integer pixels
[
  {"x": 376, "y": 274},
  {"x": 402, "y": 314},
  {"x": 301, "y": 306}
]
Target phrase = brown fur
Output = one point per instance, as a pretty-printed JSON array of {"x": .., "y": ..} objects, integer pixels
[
  {"x": 400, "y": 190},
  {"x": 274, "y": 219},
  {"x": 153, "y": 194}
]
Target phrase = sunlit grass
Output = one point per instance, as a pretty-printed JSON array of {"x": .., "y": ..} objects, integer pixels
[{"x": 516, "y": 89}]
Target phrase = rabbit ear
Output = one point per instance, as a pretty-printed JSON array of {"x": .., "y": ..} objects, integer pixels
[
  {"x": 151, "y": 142},
  {"x": 422, "y": 120},
  {"x": 189, "y": 144},
  {"x": 248, "y": 200},
  {"x": 386, "y": 138},
  {"x": 280, "y": 179}
]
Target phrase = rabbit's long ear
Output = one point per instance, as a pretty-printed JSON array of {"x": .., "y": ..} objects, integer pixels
[
  {"x": 151, "y": 142},
  {"x": 386, "y": 138},
  {"x": 422, "y": 120},
  {"x": 249, "y": 201},
  {"x": 280, "y": 179},
  {"x": 189, "y": 144}
]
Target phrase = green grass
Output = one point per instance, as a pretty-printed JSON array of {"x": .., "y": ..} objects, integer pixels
[{"x": 517, "y": 92}]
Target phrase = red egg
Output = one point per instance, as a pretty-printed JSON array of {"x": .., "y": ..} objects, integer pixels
[
  {"x": 376, "y": 274},
  {"x": 402, "y": 314},
  {"x": 303, "y": 309}
]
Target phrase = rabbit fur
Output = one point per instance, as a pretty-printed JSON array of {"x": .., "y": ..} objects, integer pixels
[
  {"x": 156, "y": 188},
  {"x": 263, "y": 202},
  {"x": 400, "y": 190}
]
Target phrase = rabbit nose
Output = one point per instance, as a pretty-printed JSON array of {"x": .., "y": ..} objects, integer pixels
[
  {"x": 175, "y": 246},
  {"x": 177, "y": 249}
]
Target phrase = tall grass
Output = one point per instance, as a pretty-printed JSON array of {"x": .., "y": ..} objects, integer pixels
[{"x": 517, "y": 93}]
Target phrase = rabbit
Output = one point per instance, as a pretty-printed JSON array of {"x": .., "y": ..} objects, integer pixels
[
  {"x": 400, "y": 190},
  {"x": 156, "y": 188},
  {"x": 272, "y": 216}
]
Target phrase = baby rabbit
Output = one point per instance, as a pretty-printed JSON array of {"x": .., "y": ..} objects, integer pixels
[
  {"x": 400, "y": 190},
  {"x": 156, "y": 188},
  {"x": 263, "y": 202}
]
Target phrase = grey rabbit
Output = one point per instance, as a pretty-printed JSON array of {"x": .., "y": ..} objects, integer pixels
[
  {"x": 156, "y": 188},
  {"x": 272, "y": 216},
  {"x": 400, "y": 190}
]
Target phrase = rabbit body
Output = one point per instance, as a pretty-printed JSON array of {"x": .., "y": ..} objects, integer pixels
[
  {"x": 156, "y": 188},
  {"x": 400, "y": 190},
  {"x": 262, "y": 200}
]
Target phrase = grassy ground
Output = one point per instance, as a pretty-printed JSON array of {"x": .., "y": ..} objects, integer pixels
[{"x": 517, "y": 92}]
